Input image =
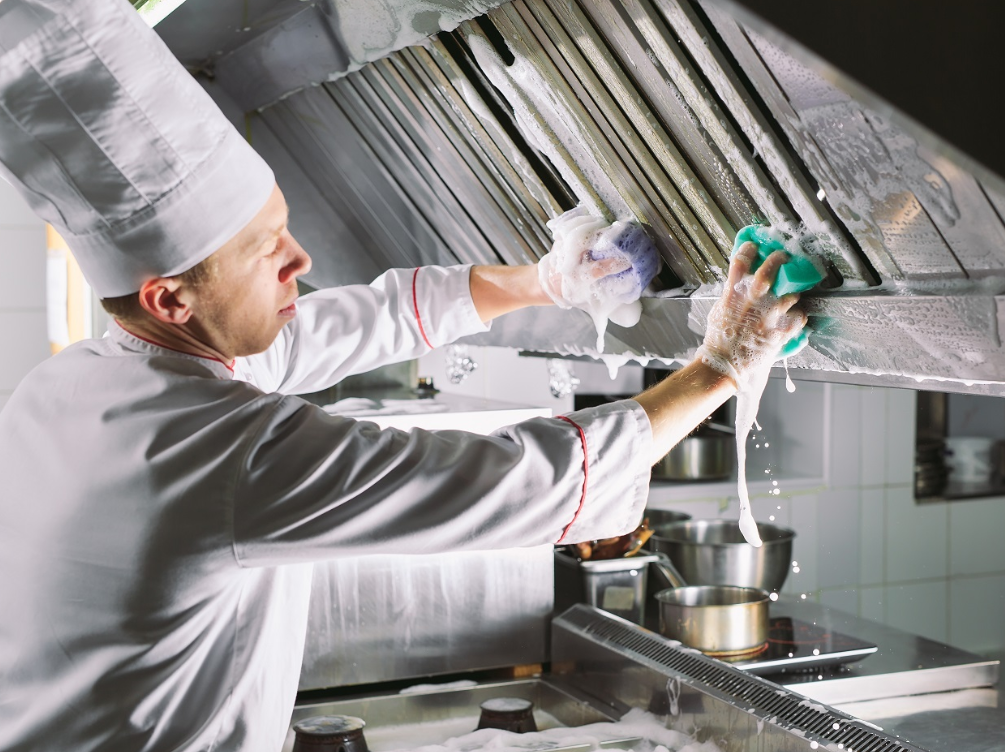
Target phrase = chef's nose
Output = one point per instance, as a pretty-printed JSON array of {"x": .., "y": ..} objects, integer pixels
[{"x": 298, "y": 261}]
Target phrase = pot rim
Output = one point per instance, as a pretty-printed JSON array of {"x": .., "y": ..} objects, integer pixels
[
  {"x": 770, "y": 533},
  {"x": 754, "y": 596}
]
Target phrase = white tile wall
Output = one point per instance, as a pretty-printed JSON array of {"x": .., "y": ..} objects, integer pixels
[
  {"x": 872, "y": 537},
  {"x": 24, "y": 339},
  {"x": 838, "y": 542},
  {"x": 872, "y": 438},
  {"x": 22, "y": 268},
  {"x": 975, "y": 537},
  {"x": 846, "y": 453},
  {"x": 916, "y": 543},
  {"x": 920, "y": 608},
  {"x": 977, "y": 610}
]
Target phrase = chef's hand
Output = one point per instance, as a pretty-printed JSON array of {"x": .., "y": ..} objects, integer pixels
[
  {"x": 617, "y": 267},
  {"x": 748, "y": 326}
]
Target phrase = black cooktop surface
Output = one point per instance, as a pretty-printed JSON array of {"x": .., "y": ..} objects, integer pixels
[{"x": 796, "y": 646}]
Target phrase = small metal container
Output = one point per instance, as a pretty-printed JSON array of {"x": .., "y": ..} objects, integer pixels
[
  {"x": 614, "y": 585},
  {"x": 717, "y": 620},
  {"x": 713, "y": 552}
]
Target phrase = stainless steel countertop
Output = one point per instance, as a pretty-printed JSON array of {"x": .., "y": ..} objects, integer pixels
[{"x": 936, "y": 696}]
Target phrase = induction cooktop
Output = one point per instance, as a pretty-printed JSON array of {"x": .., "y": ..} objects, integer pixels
[{"x": 796, "y": 646}]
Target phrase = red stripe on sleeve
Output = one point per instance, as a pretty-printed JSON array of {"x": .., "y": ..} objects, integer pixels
[
  {"x": 586, "y": 476},
  {"x": 418, "y": 318}
]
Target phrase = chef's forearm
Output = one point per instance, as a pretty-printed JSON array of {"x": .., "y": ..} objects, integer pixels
[
  {"x": 496, "y": 290},
  {"x": 681, "y": 401}
]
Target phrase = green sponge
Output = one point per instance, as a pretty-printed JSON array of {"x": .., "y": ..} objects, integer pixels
[{"x": 798, "y": 274}]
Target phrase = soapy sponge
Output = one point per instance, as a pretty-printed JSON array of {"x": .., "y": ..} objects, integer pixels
[
  {"x": 598, "y": 267},
  {"x": 799, "y": 274},
  {"x": 627, "y": 241}
]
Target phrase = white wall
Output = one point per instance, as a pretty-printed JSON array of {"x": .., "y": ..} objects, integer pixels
[{"x": 24, "y": 341}]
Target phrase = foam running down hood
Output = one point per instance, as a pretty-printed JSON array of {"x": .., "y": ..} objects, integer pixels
[{"x": 447, "y": 131}]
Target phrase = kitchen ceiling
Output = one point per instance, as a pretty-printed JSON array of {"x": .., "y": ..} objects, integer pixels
[{"x": 459, "y": 147}]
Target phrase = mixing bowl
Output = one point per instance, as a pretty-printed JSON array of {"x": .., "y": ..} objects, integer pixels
[{"x": 713, "y": 552}]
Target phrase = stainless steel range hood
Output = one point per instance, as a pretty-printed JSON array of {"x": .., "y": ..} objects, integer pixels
[{"x": 694, "y": 117}]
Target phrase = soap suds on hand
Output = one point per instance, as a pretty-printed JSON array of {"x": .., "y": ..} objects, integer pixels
[{"x": 599, "y": 268}]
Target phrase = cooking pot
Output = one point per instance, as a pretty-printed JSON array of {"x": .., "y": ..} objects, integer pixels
[
  {"x": 719, "y": 620},
  {"x": 660, "y": 519},
  {"x": 707, "y": 454},
  {"x": 713, "y": 552}
]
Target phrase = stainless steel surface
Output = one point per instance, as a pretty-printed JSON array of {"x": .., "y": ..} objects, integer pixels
[
  {"x": 715, "y": 619},
  {"x": 380, "y": 618},
  {"x": 713, "y": 552},
  {"x": 675, "y": 113},
  {"x": 615, "y": 585},
  {"x": 905, "y": 664},
  {"x": 627, "y": 666},
  {"x": 431, "y": 716},
  {"x": 708, "y": 454},
  {"x": 964, "y": 721}
]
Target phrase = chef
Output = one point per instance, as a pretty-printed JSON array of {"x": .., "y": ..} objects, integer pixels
[{"x": 163, "y": 493}]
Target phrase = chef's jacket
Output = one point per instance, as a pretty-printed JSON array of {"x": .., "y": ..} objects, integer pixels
[{"x": 161, "y": 512}]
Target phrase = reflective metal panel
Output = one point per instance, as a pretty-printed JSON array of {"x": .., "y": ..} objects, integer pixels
[{"x": 380, "y": 618}]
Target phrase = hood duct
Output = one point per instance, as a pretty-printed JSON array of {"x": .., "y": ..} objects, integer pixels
[{"x": 458, "y": 147}]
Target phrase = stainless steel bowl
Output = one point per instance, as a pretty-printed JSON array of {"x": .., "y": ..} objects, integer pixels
[{"x": 713, "y": 552}]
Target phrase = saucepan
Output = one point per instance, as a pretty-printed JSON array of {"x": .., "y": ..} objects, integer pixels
[{"x": 718, "y": 620}]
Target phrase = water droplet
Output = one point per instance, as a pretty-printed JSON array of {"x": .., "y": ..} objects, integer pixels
[
  {"x": 774, "y": 482},
  {"x": 802, "y": 596},
  {"x": 771, "y": 518},
  {"x": 796, "y": 570},
  {"x": 816, "y": 651},
  {"x": 773, "y": 597}
]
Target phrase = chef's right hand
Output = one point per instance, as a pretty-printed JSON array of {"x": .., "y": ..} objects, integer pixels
[{"x": 748, "y": 326}]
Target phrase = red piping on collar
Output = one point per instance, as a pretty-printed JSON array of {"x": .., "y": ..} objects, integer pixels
[
  {"x": 586, "y": 476},
  {"x": 418, "y": 318},
  {"x": 174, "y": 349}
]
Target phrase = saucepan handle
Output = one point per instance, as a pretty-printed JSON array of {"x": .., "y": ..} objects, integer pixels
[{"x": 666, "y": 573}]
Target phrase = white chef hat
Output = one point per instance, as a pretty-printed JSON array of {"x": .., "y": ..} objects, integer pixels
[{"x": 111, "y": 141}]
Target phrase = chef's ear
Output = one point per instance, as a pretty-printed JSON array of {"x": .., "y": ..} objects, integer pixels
[{"x": 160, "y": 298}]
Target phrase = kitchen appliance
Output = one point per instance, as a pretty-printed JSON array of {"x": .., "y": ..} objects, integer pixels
[
  {"x": 633, "y": 682},
  {"x": 615, "y": 585},
  {"x": 795, "y": 646},
  {"x": 694, "y": 117},
  {"x": 714, "y": 552}
]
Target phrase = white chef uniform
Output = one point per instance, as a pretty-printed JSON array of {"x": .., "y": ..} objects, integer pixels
[
  {"x": 158, "y": 515},
  {"x": 159, "y": 511}
]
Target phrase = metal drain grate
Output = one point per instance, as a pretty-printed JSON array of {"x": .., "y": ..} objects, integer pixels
[{"x": 779, "y": 706}]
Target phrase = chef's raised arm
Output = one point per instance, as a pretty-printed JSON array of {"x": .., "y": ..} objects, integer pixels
[{"x": 313, "y": 486}]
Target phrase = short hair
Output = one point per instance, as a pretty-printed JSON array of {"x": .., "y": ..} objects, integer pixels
[{"x": 128, "y": 308}]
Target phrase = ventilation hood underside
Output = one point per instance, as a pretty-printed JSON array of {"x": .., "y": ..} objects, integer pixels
[{"x": 693, "y": 117}]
